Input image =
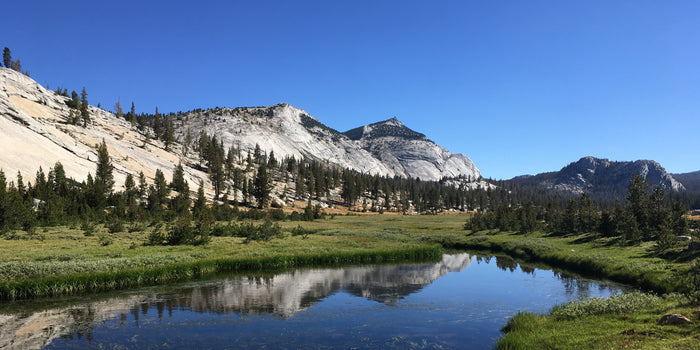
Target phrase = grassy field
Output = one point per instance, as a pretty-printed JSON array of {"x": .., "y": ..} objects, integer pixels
[{"x": 64, "y": 260}]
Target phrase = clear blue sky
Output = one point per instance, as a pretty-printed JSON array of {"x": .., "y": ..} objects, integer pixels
[{"x": 520, "y": 87}]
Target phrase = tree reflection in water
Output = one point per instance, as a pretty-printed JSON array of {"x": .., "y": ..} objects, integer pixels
[{"x": 32, "y": 325}]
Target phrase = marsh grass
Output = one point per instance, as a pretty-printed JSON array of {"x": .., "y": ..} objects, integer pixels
[
  {"x": 622, "y": 322},
  {"x": 68, "y": 261},
  {"x": 615, "y": 304},
  {"x": 99, "y": 279}
]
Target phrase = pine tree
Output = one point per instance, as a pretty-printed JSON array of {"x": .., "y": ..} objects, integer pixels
[
  {"x": 179, "y": 184},
  {"x": 679, "y": 224},
  {"x": 158, "y": 193},
  {"x": 181, "y": 202},
  {"x": 215, "y": 166},
  {"x": 143, "y": 186},
  {"x": 188, "y": 142},
  {"x": 658, "y": 214},
  {"x": 261, "y": 188},
  {"x": 118, "y": 109},
  {"x": 132, "y": 114},
  {"x": 103, "y": 174},
  {"x": 157, "y": 126},
  {"x": 169, "y": 134},
  {"x": 161, "y": 186},
  {"x": 3, "y": 200},
  {"x": 60, "y": 181},
  {"x": 84, "y": 114},
  {"x": 637, "y": 190},
  {"x": 7, "y": 58},
  {"x": 74, "y": 101},
  {"x": 200, "y": 204},
  {"x": 16, "y": 66},
  {"x": 130, "y": 190}
]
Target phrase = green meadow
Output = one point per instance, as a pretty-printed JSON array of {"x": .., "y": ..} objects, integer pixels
[{"x": 63, "y": 260}]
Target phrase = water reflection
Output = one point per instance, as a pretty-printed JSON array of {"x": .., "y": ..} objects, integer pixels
[
  {"x": 35, "y": 324},
  {"x": 282, "y": 295}
]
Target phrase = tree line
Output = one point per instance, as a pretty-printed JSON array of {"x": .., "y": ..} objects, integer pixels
[{"x": 647, "y": 214}]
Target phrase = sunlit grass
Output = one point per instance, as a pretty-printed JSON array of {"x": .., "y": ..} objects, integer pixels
[
  {"x": 614, "y": 329},
  {"x": 64, "y": 260}
]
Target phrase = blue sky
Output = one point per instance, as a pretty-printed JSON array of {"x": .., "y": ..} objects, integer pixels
[{"x": 520, "y": 87}]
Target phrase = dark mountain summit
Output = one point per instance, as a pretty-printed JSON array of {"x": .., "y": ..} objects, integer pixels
[{"x": 388, "y": 128}]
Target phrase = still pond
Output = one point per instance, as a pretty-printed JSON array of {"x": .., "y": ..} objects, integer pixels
[{"x": 458, "y": 303}]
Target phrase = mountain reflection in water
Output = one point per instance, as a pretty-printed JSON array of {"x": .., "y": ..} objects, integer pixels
[
  {"x": 405, "y": 309},
  {"x": 283, "y": 295}
]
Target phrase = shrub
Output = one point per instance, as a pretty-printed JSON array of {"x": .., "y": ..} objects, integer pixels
[
  {"x": 115, "y": 226},
  {"x": 156, "y": 237},
  {"x": 615, "y": 304},
  {"x": 88, "y": 228},
  {"x": 277, "y": 214},
  {"x": 300, "y": 231},
  {"x": 263, "y": 232},
  {"x": 105, "y": 239},
  {"x": 181, "y": 232}
]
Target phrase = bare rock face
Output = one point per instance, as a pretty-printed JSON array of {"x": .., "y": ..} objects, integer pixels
[
  {"x": 285, "y": 130},
  {"x": 386, "y": 148},
  {"x": 35, "y": 132},
  {"x": 409, "y": 153}
]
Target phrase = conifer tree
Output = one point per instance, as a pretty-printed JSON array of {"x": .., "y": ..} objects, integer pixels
[
  {"x": 261, "y": 188},
  {"x": 7, "y": 58},
  {"x": 118, "y": 109},
  {"x": 3, "y": 199},
  {"x": 74, "y": 101},
  {"x": 132, "y": 114},
  {"x": 143, "y": 186},
  {"x": 130, "y": 190},
  {"x": 161, "y": 186},
  {"x": 187, "y": 143},
  {"x": 181, "y": 202},
  {"x": 200, "y": 204},
  {"x": 157, "y": 126},
  {"x": 16, "y": 66},
  {"x": 103, "y": 174},
  {"x": 638, "y": 200},
  {"x": 169, "y": 134},
  {"x": 158, "y": 193},
  {"x": 60, "y": 181},
  {"x": 84, "y": 114}
]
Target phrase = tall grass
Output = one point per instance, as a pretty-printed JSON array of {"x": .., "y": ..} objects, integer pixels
[
  {"x": 615, "y": 304},
  {"x": 115, "y": 279}
]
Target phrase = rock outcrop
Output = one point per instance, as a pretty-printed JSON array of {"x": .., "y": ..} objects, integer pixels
[
  {"x": 410, "y": 153},
  {"x": 601, "y": 178},
  {"x": 35, "y": 132},
  {"x": 285, "y": 130},
  {"x": 386, "y": 148}
]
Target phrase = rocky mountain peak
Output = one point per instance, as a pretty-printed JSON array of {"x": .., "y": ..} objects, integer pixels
[
  {"x": 602, "y": 177},
  {"x": 410, "y": 153},
  {"x": 34, "y": 127},
  {"x": 387, "y": 128}
]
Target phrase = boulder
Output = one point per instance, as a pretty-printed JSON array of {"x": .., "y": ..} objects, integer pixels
[{"x": 673, "y": 319}]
